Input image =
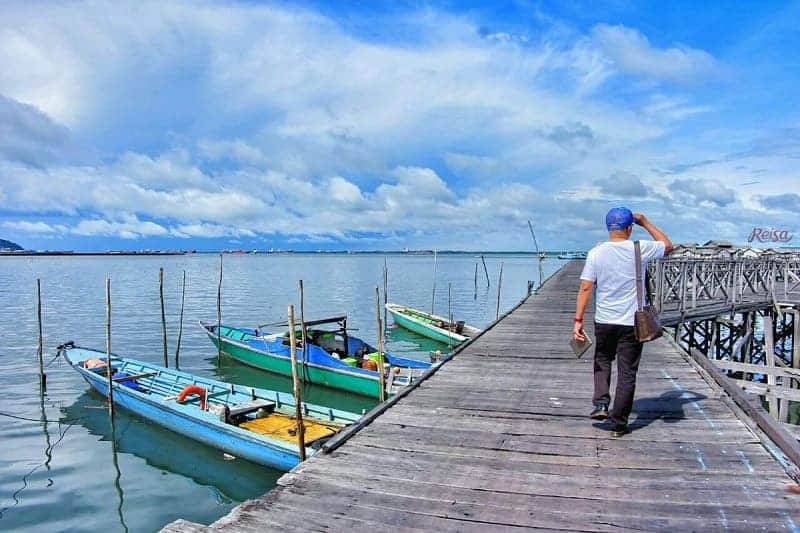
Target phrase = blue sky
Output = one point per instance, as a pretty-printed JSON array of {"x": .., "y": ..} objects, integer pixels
[{"x": 385, "y": 125}]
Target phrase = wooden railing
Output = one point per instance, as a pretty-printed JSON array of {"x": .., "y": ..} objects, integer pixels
[{"x": 690, "y": 286}]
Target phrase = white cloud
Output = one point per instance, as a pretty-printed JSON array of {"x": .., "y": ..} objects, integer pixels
[
  {"x": 32, "y": 227},
  {"x": 622, "y": 185},
  {"x": 130, "y": 227},
  {"x": 671, "y": 109},
  {"x": 703, "y": 191},
  {"x": 314, "y": 99},
  {"x": 27, "y": 135},
  {"x": 210, "y": 231},
  {"x": 345, "y": 193},
  {"x": 630, "y": 51},
  {"x": 208, "y": 119},
  {"x": 235, "y": 150},
  {"x": 126, "y": 227}
]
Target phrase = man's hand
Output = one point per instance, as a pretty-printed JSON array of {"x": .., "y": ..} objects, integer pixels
[
  {"x": 656, "y": 233},
  {"x": 577, "y": 332}
]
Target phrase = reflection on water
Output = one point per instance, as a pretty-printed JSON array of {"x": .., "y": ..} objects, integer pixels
[
  {"x": 231, "y": 480},
  {"x": 234, "y": 372},
  {"x": 117, "y": 484},
  {"x": 63, "y": 467},
  {"x": 403, "y": 340}
]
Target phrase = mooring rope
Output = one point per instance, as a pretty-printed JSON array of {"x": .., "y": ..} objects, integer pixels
[{"x": 56, "y": 356}]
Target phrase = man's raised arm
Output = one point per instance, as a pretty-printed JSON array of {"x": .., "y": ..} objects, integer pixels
[{"x": 656, "y": 233}]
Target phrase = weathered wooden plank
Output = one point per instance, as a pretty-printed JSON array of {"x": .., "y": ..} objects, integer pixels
[
  {"x": 726, "y": 431},
  {"x": 419, "y": 514},
  {"x": 508, "y": 475},
  {"x": 527, "y": 453},
  {"x": 522, "y": 510},
  {"x": 668, "y": 406}
]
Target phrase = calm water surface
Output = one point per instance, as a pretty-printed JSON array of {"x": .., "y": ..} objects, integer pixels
[{"x": 62, "y": 468}]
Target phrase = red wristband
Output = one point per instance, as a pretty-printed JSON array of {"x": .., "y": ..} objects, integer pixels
[{"x": 578, "y": 319}]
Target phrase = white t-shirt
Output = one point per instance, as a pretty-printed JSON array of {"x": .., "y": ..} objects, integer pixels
[{"x": 611, "y": 266}]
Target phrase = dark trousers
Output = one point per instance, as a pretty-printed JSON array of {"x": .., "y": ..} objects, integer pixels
[{"x": 614, "y": 341}]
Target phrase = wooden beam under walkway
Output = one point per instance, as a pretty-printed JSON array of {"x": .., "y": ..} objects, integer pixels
[{"x": 498, "y": 439}]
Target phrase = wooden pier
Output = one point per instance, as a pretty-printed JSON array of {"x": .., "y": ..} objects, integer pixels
[{"x": 498, "y": 438}]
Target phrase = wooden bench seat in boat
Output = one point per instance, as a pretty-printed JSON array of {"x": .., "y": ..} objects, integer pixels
[
  {"x": 242, "y": 409},
  {"x": 134, "y": 377}
]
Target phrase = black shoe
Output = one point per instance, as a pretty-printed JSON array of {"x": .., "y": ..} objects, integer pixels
[
  {"x": 600, "y": 412},
  {"x": 618, "y": 430}
]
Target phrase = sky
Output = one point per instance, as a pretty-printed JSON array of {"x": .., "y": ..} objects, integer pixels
[{"x": 371, "y": 125}]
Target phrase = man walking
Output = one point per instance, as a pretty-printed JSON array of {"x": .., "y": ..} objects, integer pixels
[{"x": 611, "y": 266}]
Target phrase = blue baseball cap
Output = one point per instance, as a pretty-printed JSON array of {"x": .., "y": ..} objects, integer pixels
[{"x": 619, "y": 218}]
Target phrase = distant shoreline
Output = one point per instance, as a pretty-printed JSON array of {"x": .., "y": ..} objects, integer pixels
[
  {"x": 67, "y": 253},
  {"x": 27, "y": 253}
]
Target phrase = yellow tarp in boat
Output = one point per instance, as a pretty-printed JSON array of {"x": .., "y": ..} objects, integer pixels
[{"x": 284, "y": 427}]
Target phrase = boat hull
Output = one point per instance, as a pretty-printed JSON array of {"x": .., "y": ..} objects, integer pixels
[
  {"x": 253, "y": 450},
  {"x": 437, "y": 334},
  {"x": 236, "y": 445},
  {"x": 364, "y": 385},
  {"x": 421, "y": 326},
  {"x": 154, "y": 398}
]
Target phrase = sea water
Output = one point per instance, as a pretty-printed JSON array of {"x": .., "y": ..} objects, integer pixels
[{"x": 62, "y": 468}]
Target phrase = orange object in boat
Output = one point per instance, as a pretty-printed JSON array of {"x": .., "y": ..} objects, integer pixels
[
  {"x": 193, "y": 389},
  {"x": 93, "y": 363},
  {"x": 369, "y": 364}
]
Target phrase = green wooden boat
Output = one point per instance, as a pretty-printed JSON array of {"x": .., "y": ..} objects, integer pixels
[
  {"x": 432, "y": 326},
  {"x": 332, "y": 359}
]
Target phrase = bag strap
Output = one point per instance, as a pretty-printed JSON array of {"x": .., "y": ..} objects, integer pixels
[{"x": 637, "y": 256}]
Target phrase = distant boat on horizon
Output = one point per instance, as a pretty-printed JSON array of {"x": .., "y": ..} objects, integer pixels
[{"x": 572, "y": 255}]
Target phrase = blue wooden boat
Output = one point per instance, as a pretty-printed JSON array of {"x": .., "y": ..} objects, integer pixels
[
  {"x": 255, "y": 424},
  {"x": 332, "y": 357}
]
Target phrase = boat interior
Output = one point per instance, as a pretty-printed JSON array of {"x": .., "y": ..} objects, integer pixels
[{"x": 244, "y": 409}]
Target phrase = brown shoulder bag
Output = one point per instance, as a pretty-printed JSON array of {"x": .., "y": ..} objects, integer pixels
[{"x": 646, "y": 324}]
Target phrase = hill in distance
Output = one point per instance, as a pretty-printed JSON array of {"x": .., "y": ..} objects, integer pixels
[{"x": 8, "y": 245}]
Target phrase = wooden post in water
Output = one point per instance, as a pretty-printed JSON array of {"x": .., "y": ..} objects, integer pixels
[
  {"x": 451, "y": 326},
  {"x": 301, "y": 438},
  {"x": 769, "y": 354},
  {"x": 219, "y": 312},
  {"x": 385, "y": 290},
  {"x": 163, "y": 314},
  {"x": 433, "y": 292},
  {"x": 381, "y": 378},
  {"x": 485, "y": 271},
  {"x": 303, "y": 330},
  {"x": 538, "y": 254},
  {"x": 108, "y": 350},
  {"x": 475, "y": 294},
  {"x": 40, "y": 351},
  {"x": 180, "y": 322},
  {"x": 499, "y": 287},
  {"x": 796, "y": 338}
]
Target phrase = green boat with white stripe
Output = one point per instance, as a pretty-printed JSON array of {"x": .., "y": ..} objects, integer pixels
[{"x": 440, "y": 329}]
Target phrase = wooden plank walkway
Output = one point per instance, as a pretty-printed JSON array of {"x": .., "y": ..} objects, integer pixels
[{"x": 498, "y": 438}]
